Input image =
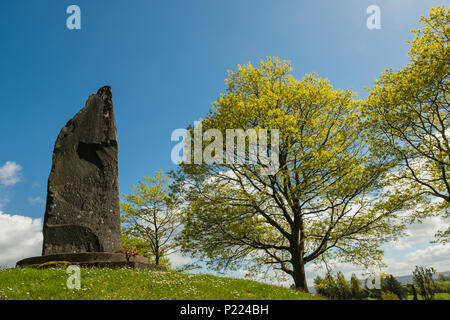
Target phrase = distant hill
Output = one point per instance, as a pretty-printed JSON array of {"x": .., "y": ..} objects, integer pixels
[{"x": 408, "y": 279}]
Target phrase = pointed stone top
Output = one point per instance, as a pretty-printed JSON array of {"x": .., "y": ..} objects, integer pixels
[
  {"x": 105, "y": 93},
  {"x": 103, "y": 89}
]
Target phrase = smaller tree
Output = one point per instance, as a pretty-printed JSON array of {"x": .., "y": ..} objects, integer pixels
[
  {"x": 326, "y": 286},
  {"x": 330, "y": 287},
  {"x": 423, "y": 279},
  {"x": 318, "y": 285},
  {"x": 333, "y": 287},
  {"x": 392, "y": 285},
  {"x": 343, "y": 287},
  {"x": 150, "y": 215},
  {"x": 357, "y": 292}
]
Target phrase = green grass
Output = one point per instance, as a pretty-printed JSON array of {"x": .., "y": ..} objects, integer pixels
[
  {"x": 443, "y": 286},
  {"x": 437, "y": 296},
  {"x": 443, "y": 289},
  {"x": 125, "y": 284}
]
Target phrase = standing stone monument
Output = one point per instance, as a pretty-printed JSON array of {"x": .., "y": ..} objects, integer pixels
[
  {"x": 82, "y": 217},
  {"x": 82, "y": 213}
]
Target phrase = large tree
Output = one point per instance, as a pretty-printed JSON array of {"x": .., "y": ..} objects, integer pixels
[
  {"x": 319, "y": 205},
  {"x": 410, "y": 110}
]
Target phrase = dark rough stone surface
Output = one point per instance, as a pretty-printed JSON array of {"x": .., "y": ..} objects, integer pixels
[
  {"x": 82, "y": 212},
  {"x": 94, "y": 259}
]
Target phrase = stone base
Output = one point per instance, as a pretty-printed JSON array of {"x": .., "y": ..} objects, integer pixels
[{"x": 93, "y": 259}]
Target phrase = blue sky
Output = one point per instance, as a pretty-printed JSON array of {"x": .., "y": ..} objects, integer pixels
[{"x": 166, "y": 62}]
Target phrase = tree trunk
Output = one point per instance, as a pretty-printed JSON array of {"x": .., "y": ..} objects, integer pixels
[
  {"x": 156, "y": 249},
  {"x": 298, "y": 274},
  {"x": 297, "y": 251}
]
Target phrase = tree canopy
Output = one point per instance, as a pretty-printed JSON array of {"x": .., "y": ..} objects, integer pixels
[
  {"x": 320, "y": 204},
  {"x": 410, "y": 114}
]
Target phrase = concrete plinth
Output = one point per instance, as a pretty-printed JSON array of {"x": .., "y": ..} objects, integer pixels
[{"x": 93, "y": 259}]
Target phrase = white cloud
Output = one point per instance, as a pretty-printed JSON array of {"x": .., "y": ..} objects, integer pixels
[
  {"x": 177, "y": 259},
  {"x": 421, "y": 232},
  {"x": 439, "y": 253},
  {"x": 10, "y": 173},
  {"x": 20, "y": 237},
  {"x": 436, "y": 256}
]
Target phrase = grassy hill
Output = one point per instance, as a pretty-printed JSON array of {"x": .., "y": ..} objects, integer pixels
[{"x": 123, "y": 284}]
